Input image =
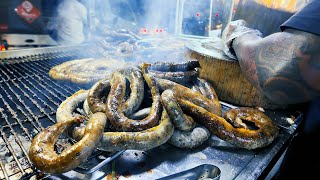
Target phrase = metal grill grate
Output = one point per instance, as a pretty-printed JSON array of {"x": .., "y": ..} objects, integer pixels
[{"x": 28, "y": 102}]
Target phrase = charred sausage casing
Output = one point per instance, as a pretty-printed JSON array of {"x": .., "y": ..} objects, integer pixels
[{"x": 114, "y": 107}]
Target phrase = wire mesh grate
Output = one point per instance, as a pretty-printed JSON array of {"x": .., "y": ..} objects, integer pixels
[{"x": 28, "y": 102}]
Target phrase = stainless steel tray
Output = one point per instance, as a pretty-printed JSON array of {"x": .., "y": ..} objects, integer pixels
[
  {"x": 166, "y": 160},
  {"x": 202, "y": 172}
]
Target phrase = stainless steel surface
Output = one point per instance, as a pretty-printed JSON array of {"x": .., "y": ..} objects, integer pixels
[
  {"x": 18, "y": 41},
  {"x": 13, "y": 55},
  {"x": 28, "y": 102},
  {"x": 202, "y": 172},
  {"x": 99, "y": 165}
]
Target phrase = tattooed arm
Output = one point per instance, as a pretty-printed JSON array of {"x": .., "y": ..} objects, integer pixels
[{"x": 285, "y": 66}]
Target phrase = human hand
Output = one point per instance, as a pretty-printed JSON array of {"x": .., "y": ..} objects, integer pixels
[{"x": 233, "y": 30}]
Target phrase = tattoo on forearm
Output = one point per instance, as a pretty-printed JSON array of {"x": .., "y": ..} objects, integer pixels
[
  {"x": 285, "y": 66},
  {"x": 248, "y": 66}
]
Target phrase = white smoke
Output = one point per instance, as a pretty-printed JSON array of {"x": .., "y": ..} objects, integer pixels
[{"x": 160, "y": 14}]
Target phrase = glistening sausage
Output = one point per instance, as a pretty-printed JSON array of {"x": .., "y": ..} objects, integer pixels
[
  {"x": 142, "y": 140},
  {"x": 174, "y": 67},
  {"x": 44, "y": 157},
  {"x": 239, "y": 136},
  {"x": 114, "y": 107}
]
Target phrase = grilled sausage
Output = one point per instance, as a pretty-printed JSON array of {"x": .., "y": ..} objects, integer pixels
[
  {"x": 178, "y": 77},
  {"x": 85, "y": 71},
  {"x": 44, "y": 157},
  {"x": 180, "y": 73},
  {"x": 143, "y": 140},
  {"x": 66, "y": 109},
  {"x": 239, "y": 136},
  {"x": 101, "y": 89},
  {"x": 86, "y": 108},
  {"x": 137, "y": 90},
  {"x": 114, "y": 107},
  {"x": 181, "y": 91},
  {"x": 141, "y": 113},
  {"x": 96, "y": 94},
  {"x": 198, "y": 135},
  {"x": 189, "y": 139},
  {"x": 179, "y": 119},
  {"x": 185, "y": 136},
  {"x": 174, "y": 67},
  {"x": 208, "y": 91}
]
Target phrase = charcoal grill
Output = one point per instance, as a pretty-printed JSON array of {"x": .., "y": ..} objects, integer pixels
[{"x": 29, "y": 99}]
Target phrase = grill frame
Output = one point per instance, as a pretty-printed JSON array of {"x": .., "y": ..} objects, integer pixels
[{"x": 24, "y": 74}]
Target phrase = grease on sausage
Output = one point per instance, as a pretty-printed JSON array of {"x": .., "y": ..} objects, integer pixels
[
  {"x": 97, "y": 93},
  {"x": 66, "y": 109},
  {"x": 181, "y": 91},
  {"x": 142, "y": 140},
  {"x": 174, "y": 67},
  {"x": 241, "y": 137},
  {"x": 44, "y": 157},
  {"x": 114, "y": 107}
]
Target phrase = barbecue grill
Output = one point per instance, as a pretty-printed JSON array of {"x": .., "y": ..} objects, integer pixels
[
  {"x": 29, "y": 99},
  {"x": 28, "y": 102}
]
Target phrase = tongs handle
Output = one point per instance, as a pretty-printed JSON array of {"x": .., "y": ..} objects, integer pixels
[{"x": 101, "y": 164}]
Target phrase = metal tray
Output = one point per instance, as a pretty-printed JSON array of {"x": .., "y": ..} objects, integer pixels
[
  {"x": 205, "y": 171},
  {"x": 169, "y": 161}
]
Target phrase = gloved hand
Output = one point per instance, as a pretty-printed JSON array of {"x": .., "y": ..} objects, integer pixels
[{"x": 233, "y": 30}]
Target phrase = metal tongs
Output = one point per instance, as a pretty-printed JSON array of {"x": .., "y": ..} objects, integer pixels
[
  {"x": 101, "y": 164},
  {"x": 201, "y": 172}
]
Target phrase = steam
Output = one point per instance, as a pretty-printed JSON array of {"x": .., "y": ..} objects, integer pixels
[
  {"x": 115, "y": 30},
  {"x": 160, "y": 14}
]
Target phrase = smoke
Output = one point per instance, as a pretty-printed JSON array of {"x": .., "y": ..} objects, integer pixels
[
  {"x": 134, "y": 15},
  {"x": 160, "y": 14},
  {"x": 116, "y": 22},
  {"x": 114, "y": 30}
]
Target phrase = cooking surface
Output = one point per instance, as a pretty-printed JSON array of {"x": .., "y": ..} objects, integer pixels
[
  {"x": 28, "y": 102},
  {"x": 28, "y": 99}
]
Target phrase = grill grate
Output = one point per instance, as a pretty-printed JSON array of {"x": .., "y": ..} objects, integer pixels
[{"x": 28, "y": 102}]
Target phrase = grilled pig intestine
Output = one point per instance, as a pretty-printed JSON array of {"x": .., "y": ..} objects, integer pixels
[
  {"x": 186, "y": 121},
  {"x": 180, "y": 73},
  {"x": 85, "y": 71},
  {"x": 142, "y": 140},
  {"x": 101, "y": 89},
  {"x": 113, "y": 141},
  {"x": 114, "y": 104},
  {"x": 185, "y": 135},
  {"x": 231, "y": 128},
  {"x": 43, "y": 155},
  {"x": 189, "y": 139}
]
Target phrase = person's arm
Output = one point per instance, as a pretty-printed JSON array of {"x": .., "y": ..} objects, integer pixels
[{"x": 285, "y": 66}]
